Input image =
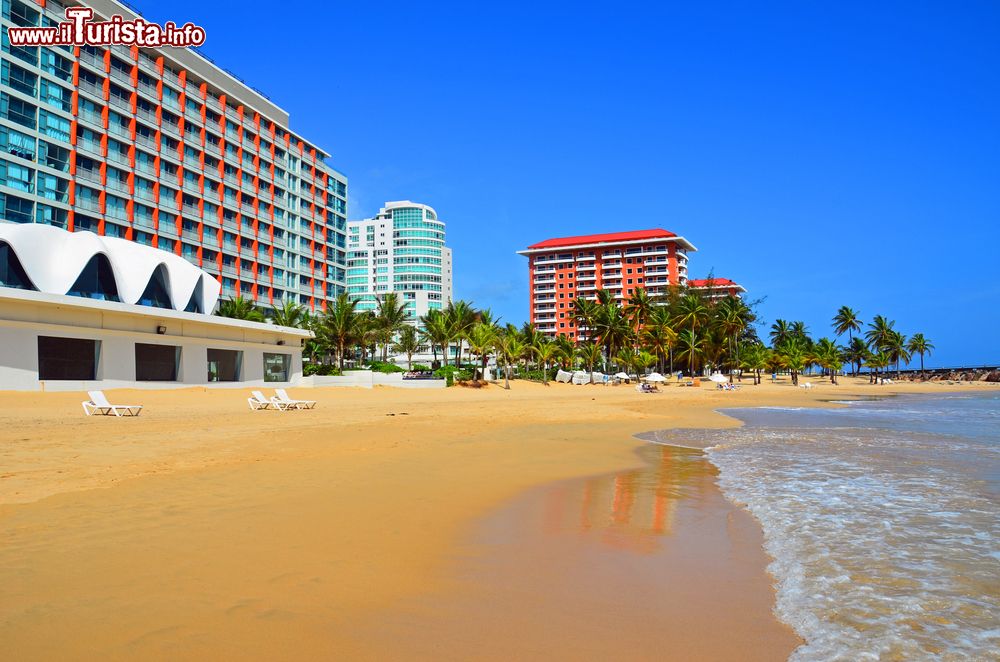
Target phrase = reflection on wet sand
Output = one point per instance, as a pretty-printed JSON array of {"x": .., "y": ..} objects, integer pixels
[
  {"x": 650, "y": 563},
  {"x": 632, "y": 509}
]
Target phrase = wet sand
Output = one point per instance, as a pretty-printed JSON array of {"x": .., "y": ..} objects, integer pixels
[{"x": 366, "y": 528}]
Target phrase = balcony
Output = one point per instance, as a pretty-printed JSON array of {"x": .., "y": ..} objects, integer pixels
[
  {"x": 89, "y": 146},
  {"x": 586, "y": 288},
  {"x": 585, "y": 267}
]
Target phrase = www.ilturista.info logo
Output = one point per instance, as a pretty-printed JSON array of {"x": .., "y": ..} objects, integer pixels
[{"x": 79, "y": 30}]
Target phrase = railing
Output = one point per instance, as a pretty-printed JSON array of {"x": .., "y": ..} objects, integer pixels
[{"x": 89, "y": 175}]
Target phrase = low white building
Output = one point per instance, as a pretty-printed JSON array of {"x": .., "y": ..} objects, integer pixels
[{"x": 79, "y": 311}]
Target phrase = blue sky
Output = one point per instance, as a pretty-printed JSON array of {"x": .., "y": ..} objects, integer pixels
[{"x": 821, "y": 154}]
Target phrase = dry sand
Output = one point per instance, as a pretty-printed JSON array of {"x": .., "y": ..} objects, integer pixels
[{"x": 201, "y": 530}]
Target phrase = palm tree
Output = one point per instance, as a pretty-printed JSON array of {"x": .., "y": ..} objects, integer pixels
[
  {"x": 691, "y": 313},
  {"x": 879, "y": 332},
  {"x": 846, "y": 321},
  {"x": 827, "y": 355},
  {"x": 755, "y": 358},
  {"x": 877, "y": 361},
  {"x": 511, "y": 348},
  {"x": 546, "y": 351},
  {"x": 590, "y": 353},
  {"x": 920, "y": 345},
  {"x": 732, "y": 316},
  {"x": 341, "y": 325},
  {"x": 639, "y": 308},
  {"x": 566, "y": 351},
  {"x": 240, "y": 309},
  {"x": 611, "y": 327},
  {"x": 407, "y": 343},
  {"x": 896, "y": 347},
  {"x": 856, "y": 353},
  {"x": 659, "y": 336},
  {"x": 583, "y": 315},
  {"x": 436, "y": 332},
  {"x": 780, "y": 332},
  {"x": 793, "y": 356},
  {"x": 482, "y": 340},
  {"x": 690, "y": 346},
  {"x": 391, "y": 318},
  {"x": 290, "y": 314},
  {"x": 461, "y": 316}
]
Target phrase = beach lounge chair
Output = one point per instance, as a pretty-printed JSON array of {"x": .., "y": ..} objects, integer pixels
[
  {"x": 98, "y": 404},
  {"x": 281, "y": 397},
  {"x": 257, "y": 401}
]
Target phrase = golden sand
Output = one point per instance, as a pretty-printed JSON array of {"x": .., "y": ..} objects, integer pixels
[{"x": 202, "y": 530}]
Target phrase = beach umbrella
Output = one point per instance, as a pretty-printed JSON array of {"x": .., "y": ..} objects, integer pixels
[
  {"x": 621, "y": 375},
  {"x": 654, "y": 377},
  {"x": 719, "y": 378}
]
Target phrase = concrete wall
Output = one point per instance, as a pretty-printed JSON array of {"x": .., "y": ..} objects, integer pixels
[
  {"x": 369, "y": 379},
  {"x": 119, "y": 328}
]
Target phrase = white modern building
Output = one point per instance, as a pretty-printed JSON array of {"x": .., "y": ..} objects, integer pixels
[
  {"x": 401, "y": 250},
  {"x": 80, "y": 311}
]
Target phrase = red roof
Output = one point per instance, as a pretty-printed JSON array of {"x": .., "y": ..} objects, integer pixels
[
  {"x": 713, "y": 282},
  {"x": 655, "y": 233}
]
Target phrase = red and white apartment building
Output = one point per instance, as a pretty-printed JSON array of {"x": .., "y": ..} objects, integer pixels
[
  {"x": 716, "y": 288},
  {"x": 562, "y": 269}
]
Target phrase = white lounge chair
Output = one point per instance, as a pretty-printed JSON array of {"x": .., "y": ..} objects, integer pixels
[
  {"x": 257, "y": 401},
  {"x": 98, "y": 404},
  {"x": 282, "y": 397}
]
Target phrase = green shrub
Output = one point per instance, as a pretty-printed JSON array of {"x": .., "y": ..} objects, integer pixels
[
  {"x": 419, "y": 367},
  {"x": 451, "y": 374},
  {"x": 386, "y": 368},
  {"x": 320, "y": 369}
]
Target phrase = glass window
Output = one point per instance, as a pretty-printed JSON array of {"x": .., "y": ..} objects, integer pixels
[
  {"x": 156, "y": 363},
  {"x": 277, "y": 367},
  {"x": 16, "y": 176},
  {"x": 18, "y": 111},
  {"x": 67, "y": 358},
  {"x": 224, "y": 365},
  {"x": 53, "y": 125}
]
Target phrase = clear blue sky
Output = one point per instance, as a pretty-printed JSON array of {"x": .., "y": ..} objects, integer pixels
[{"x": 821, "y": 154}]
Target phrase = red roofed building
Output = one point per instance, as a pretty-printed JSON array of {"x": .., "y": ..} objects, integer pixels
[
  {"x": 716, "y": 288},
  {"x": 562, "y": 269}
]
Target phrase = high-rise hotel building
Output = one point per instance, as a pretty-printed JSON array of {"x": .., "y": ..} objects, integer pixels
[
  {"x": 562, "y": 269},
  {"x": 400, "y": 250},
  {"x": 162, "y": 147}
]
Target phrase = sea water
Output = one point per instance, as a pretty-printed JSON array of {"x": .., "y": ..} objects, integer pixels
[{"x": 883, "y": 520}]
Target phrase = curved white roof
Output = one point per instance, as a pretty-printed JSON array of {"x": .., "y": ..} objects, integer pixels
[{"x": 53, "y": 258}]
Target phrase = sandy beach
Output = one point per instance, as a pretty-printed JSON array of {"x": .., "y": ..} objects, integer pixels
[{"x": 201, "y": 530}]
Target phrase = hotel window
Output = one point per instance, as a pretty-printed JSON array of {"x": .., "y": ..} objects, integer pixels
[
  {"x": 67, "y": 358},
  {"x": 53, "y": 125},
  {"x": 224, "y": 365},
  {"x": 15, "y": 209},
  {"x": 17, "y": 143},
  {"x": 277, "y": 367},
  {"x": 16, "y": 176},
  {"x": 50, "y": 215},
  {"x": 156, "y": 363},
  {"x": 55, "y": 96},
  {"x": 15, "y": 110}
]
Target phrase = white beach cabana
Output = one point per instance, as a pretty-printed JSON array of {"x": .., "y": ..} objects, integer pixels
[{"x": 654, "y": 378}]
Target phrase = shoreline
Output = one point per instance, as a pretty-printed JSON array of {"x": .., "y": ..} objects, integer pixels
[{"x": 270, "y": 530}]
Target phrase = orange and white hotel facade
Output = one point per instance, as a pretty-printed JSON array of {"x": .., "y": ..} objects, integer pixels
[
  {"x": 162, "y": 147},
  {"x": 562, "y": 269}
]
